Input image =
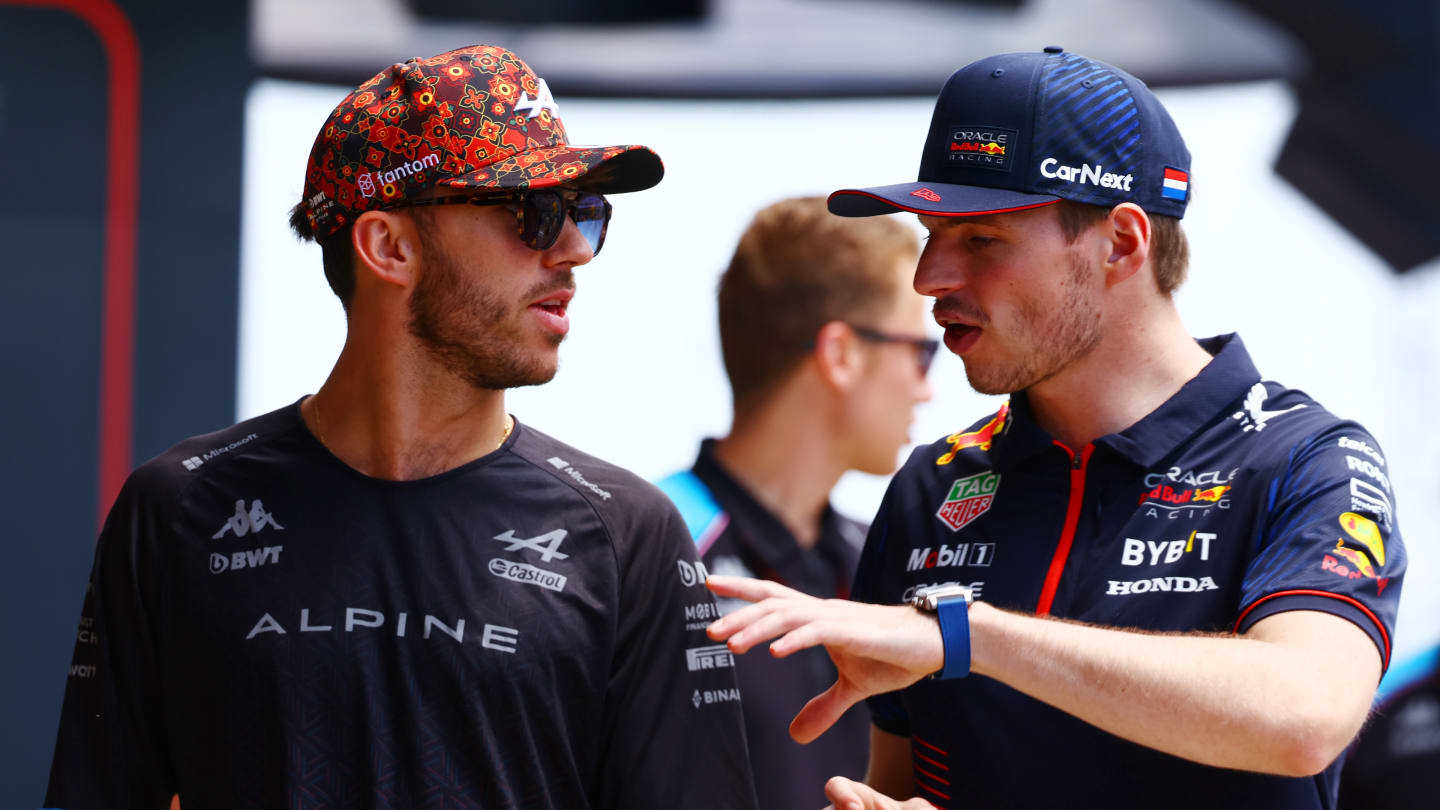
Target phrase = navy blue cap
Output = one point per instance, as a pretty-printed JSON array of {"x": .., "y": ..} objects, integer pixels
[{"x": 1021, "y": 130}]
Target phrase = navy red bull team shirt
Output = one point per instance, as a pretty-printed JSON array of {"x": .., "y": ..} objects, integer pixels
[{"x": 1235, "y": 500}]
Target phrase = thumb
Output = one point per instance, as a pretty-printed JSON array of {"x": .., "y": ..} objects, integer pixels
[{"x": 822, "y": 711}]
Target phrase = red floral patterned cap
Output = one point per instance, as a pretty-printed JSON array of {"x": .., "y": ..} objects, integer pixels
[{"x": 477, "y": 117}]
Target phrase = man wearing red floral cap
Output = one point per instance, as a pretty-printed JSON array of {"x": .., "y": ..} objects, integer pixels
[{"x": 391, "y": 593}]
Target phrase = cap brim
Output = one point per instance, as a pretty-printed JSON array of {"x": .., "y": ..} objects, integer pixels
[
  {"x": 933, "y": 199},
  {"x": 603, "y": 169}
]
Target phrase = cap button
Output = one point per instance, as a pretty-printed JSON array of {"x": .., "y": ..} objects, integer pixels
[{"x": 1054, "y": 49}]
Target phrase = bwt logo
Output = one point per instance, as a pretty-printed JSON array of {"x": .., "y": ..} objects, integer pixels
[
  {"x": 254, "y": 558},
  {"x": 716, "y": 656},
  {"x": 366, "y": 182}
]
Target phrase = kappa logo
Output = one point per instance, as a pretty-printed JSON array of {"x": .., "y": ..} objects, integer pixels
[
  {"x": 546, "y": 545},
  {"x": 542, "y": 101},
  {"x": 246, "y": 521},
  {"x": 969, "y": 498},
  {"x": 1253, "y": 416}
]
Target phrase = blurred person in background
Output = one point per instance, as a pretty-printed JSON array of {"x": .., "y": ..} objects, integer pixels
[
  {"x": 392, "y": 593},
  {"x": 1395, "y": 764},
  {"x": 1190, "y": 574},
  {"x": 825, "y": 347}
]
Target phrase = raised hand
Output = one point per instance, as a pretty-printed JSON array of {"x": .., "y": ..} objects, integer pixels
[{"x": 875, "y": 648}]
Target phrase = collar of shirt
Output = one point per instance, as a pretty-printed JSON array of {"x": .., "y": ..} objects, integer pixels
[
  {"x": 768, "y": 545},
  {"x": 1219, "y": 384}
]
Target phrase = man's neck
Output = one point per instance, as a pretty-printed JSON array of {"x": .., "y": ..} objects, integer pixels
[
  {"x": 783, "y": 457},
  {"x": 402, "y": 419},
  {"x": 1140, "y": 363}
]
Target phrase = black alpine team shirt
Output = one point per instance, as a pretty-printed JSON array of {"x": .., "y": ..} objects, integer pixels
[
  {"x": 737, "y": 536},
  {"x": 1235, "y": 500},
  {"x": 266, "y": 627}
]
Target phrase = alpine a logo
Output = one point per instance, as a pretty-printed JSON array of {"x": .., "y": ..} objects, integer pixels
[
  {"x": 527, "y": 574},
  {"x": 547, "y": 545},
  {"x": 542, "y": 101},
  {"x": 247, "y": 521}
]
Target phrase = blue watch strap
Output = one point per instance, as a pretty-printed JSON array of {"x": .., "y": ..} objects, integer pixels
[{"x": 954, "y": 617}]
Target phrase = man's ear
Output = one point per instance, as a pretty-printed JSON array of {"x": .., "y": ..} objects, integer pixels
[
  {"x": 387, "y": 247},
  {"x": 1128, "y": 229},
  {"x": 837, "y": 355}
]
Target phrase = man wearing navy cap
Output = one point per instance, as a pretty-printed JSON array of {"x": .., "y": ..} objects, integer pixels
[{"x": 1171, "y": 583}]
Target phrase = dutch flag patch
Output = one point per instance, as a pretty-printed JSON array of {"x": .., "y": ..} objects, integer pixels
[{"x": 1177, "y": 184}]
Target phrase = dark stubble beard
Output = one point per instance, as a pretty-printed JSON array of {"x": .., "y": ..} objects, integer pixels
[
  {"x": 1052, "y": 341},
  {"x": 471, "y": 331}
]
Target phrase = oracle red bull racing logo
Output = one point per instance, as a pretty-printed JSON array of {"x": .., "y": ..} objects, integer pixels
[{"x": 969, "y": 498}]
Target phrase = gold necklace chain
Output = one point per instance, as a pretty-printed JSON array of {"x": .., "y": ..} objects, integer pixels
[{"x": 320, "y": 430}]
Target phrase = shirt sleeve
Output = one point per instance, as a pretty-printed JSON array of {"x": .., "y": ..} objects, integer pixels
[
  {"x": 110, "y": 751},
  {"x": 887, "y": 711},
  {"x": 675, "y": 736},
  {"x": 1328, "y": 538}
]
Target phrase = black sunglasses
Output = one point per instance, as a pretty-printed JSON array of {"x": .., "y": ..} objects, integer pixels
[
  {"x": 541, "y": 214},
  {"x": 925, "y": 348}
]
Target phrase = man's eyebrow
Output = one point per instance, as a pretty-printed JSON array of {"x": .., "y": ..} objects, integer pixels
[{"x": 934, "y": 223}]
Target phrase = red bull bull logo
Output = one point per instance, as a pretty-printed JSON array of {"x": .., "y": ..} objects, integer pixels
[
  {"x": 982, "y": 438},
  {"x": 1364, "y": 531},
  {"x": 1211, "y": 495}
]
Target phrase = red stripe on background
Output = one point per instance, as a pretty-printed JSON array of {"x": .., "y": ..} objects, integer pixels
[
  {"x": 1067, "y": 534},
  {"x": 942, "y": 780},
  {"x": 1384, "y": 636},
  {"x": 937, "y": 748},
  {"x": 1176, "y": 174},
  {"x": 942, "y": 766},
  {"x": 122, "y": 159},
  {"x": 933, "y": 790}
]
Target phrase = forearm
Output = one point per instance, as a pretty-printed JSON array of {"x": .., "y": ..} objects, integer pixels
[{"x": 1237, "y": 702}]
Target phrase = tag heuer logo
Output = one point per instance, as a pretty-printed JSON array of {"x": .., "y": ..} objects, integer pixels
[{"x": 969, "y": 498}]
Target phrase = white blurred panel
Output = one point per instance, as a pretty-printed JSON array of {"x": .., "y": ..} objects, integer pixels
[{"x": 641, "y": 379}]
